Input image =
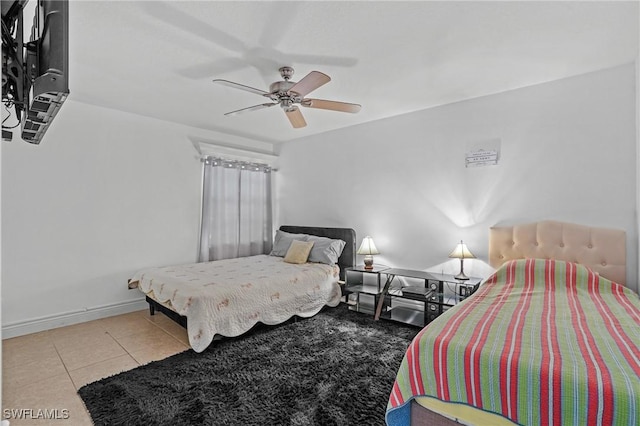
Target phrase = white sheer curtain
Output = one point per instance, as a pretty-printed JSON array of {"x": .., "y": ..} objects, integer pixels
[{"x": 236, "y": 210}]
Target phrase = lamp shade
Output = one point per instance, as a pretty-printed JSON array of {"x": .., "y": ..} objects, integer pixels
[
  {"x": 461, "y": 252},
  {"x": 367, "y": 247}
]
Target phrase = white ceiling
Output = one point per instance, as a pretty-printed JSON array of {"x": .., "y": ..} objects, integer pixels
[{"x": 157, "y": 59}]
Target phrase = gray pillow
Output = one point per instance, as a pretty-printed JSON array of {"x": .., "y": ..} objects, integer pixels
[
  {"x": 282, "y": 241},
  {"x": 325, "y": 250}
]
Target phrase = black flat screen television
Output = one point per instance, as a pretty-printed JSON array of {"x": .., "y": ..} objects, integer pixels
[{"x": 35, "y": 73}]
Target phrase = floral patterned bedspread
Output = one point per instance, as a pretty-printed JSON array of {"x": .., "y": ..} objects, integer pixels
[{"x": 228, "y": 297}]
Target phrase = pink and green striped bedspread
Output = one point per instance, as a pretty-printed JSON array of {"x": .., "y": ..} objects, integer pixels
[{"x": 542, "y": 342}]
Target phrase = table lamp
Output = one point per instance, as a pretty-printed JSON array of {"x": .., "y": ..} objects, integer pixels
[
  {"x": 461, "y": 252},
  {"x": 368, "y": 248}
]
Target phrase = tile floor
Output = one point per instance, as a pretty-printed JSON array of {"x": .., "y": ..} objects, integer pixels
[{"x": 44, "y": 370}]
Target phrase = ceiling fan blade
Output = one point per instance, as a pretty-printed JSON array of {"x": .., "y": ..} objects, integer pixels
[
  {"x": 331, "y": 105},
  {"x": 251, "y": 108},
  {"x": 309, "y": 83},
  {"x": 241, "y": 87},
  {"x": 295, "y": 117}
]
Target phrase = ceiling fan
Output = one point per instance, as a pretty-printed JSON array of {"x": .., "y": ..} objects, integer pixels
[{"x": 288, "y": 93}]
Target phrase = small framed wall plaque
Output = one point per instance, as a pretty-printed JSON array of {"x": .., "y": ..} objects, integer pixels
[
  {"x": 485, "y": 153},
  {"x": 481, "y": 158}
]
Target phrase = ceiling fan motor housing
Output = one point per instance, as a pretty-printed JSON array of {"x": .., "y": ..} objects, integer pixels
[
  {"x": 279, "y": 92},
  {"x": 281, "y": 87}
]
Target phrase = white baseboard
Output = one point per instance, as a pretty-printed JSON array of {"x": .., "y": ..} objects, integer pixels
[{"x": 34, "y": 325}]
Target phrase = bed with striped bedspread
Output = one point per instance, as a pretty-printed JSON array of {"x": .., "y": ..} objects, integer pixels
[{"x": 542, "y": 342}]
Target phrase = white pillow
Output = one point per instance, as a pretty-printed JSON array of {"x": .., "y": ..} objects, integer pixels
[
  {"x": 325, "y": 250},
  {"x": 282, "y": 241}
]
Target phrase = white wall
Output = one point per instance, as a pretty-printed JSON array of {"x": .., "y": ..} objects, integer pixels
[
  {"x": 106, "y": 193},
  {"x": 568, "y": 152}
]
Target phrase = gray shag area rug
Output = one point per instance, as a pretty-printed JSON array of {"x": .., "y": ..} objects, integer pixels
[{"x": 336, "y": 368}]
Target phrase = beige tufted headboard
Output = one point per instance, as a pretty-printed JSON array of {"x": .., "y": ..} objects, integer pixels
[{"x": 602, "y": 250}]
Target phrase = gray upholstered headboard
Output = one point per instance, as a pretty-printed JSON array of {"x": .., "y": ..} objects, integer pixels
[
  {"x": 603, "y": 250},
  {"x": 348, "y": 257}
]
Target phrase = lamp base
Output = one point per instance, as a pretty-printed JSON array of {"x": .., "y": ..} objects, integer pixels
[
  {"x": 461, "y": 276},
  {"x": 368, "y": 262}
]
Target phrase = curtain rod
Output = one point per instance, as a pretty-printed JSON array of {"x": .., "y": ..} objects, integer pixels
[{"x": 219, "y": 161}]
